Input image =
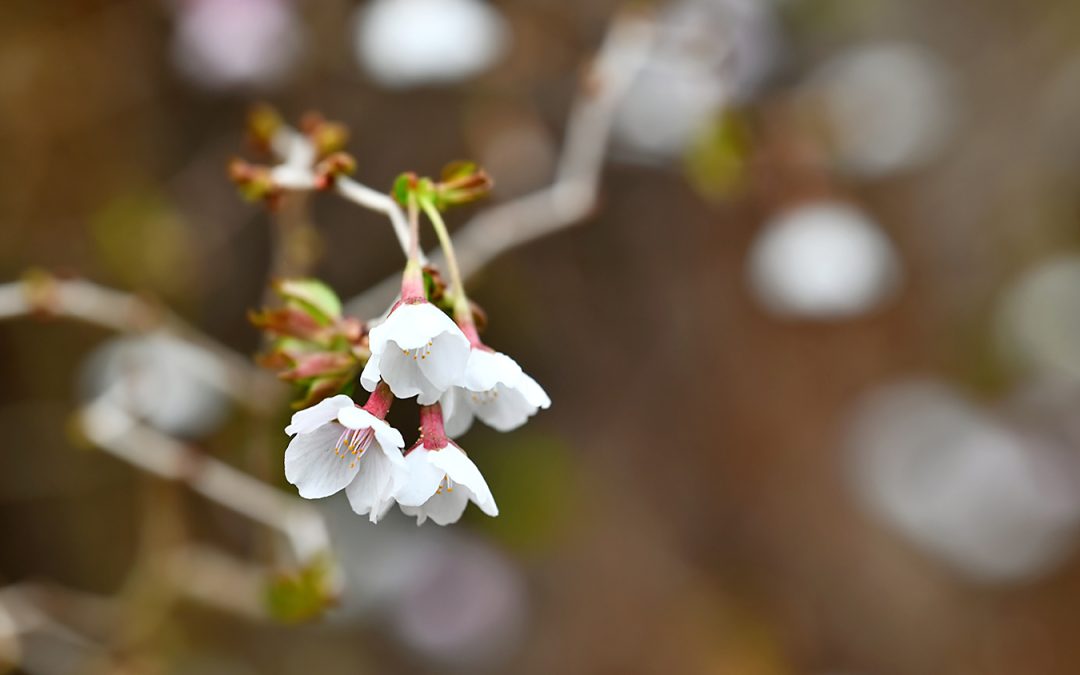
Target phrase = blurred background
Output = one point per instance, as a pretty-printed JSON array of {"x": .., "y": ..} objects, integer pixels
[{"x": 814, "y": 358}]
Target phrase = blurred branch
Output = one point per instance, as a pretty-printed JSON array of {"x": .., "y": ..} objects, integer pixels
[
  {"x": 28, "y": 608},
  {"x": 88, "y": 621},
  {"x": 218, "y": 580},
  {"x": 573, "y": 194},
  {"x": 110, "y": 427},
  {"x": 127, "y": 313}
]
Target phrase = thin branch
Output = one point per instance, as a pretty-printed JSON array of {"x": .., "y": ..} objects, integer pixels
[
  {"x": 25, "y": 610},
  {"x": 112, "y": 429},
  {"x": 377, "y": 201},
  {"x": 109, "y": 426},
  {"x": 574, "y": 193},
  {"x": 85, "y": 622},
  {"x": 127, "y": 313},
  {"x": 296, "y": 173}
]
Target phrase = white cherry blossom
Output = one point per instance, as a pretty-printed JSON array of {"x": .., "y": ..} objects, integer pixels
[
  {"x": 496, "y": 390},
  {"x": 418, "y": 351},
  {"x": 339, "y": 446},
  {"x": 441, "y": 483},
  {"x": 442, "y": 479}
]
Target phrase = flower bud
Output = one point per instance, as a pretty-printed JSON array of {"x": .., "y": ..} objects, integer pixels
[
  {"x": 253, "y": 180},
  {"x": 332, "y": 166},
  {"x": 327, "y": 137}
]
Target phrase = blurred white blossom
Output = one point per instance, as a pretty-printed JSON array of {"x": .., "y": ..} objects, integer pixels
[
  {"x": 449, "y": 598},
  {"x": 709, "y": 52},
  {"x": 996, "y": 503},
  {"x": 824, "y": 260},
  {"x": 168, "y": 383},
  {"x": 884, "y": 107},
  {"x": 227, "y": 43},
  {"x": 1038, "y": 323},
  {"x": 406, "y": 43},
  {"x": 466, "y": 607}
]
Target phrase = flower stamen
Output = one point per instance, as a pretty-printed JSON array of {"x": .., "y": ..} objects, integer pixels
[
  {"x": 353, "y": 443},
  {"x": 420, "y": 352},
  {"x": 445, "y": 484}
]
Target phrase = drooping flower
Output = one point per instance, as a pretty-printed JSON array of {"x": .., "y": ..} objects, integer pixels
[
  {"x": 493, "y": 388},
  {"x": 496, "y": 390},
  {"x": 418, "y": 351},
  {"x": 442, "y": 479},
  {"x": 333, "y": 450}
]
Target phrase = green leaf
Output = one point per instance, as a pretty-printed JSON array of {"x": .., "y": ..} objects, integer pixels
[
  {"x": 458, "y": 170},
  {"x": 303, "y": 595},
  {"x": 312, "y": 295},
  {"x": 402, "y": 186}
]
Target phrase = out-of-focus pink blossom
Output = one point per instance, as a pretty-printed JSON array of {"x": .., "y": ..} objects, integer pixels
[{"x": 229, "y": 43}]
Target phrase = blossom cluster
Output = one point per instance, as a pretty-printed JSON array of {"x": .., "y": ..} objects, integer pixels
[
  {"x": 428, "y": 347},
  {"x": 418, "y": 352}
]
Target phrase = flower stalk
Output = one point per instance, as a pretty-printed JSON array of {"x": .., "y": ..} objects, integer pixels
[
  {"x": 412, "y": 280},
  {"x": 462, "y": 311}
]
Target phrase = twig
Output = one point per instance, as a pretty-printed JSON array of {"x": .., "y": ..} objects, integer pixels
[
  {"x": 574, "y": 192},
  {"x": 85, "y": 621},
  {"x": 111, "y": 428},
  {"x": 126, "y": 313},
  {"x": 24, "y": 611},
  {"x": 296, "y": 173}
]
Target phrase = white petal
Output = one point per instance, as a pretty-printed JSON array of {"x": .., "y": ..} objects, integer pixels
[
  {"x": 486, "y": 369},
  {"x": 371, "y": 376},
  {"x": 507, "y": 408},
  {"x": 457, "y": 411},
  {"x": 379, "y": 511},
  {"x": 307, "y": 420},
  {"x": 387, "y": 437},
  {"x": 391, "y": 442},
  {"x": 312, "y": 465},
  {"x": 373, "y": 485},
  {"x": 533, "y": 392},
  {"x": 445, "y": 365},
  {"x": 423, "y": 479},
  {"x": 461, "y": 469},
  {"x": 415, "y": 511},
  {"x": 403, "y": 375},
  {"x": 358, "y": 418},
  {"x": 444, "y": 508},
  {"x": 412, "y": 326},
  {"x": 505, "y": 411}
]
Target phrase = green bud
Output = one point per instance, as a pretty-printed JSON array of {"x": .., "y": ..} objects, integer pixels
[{"x": 311, "y": 295}]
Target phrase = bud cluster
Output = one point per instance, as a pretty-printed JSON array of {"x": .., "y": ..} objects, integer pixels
[{"x": 311, "y": 343}]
